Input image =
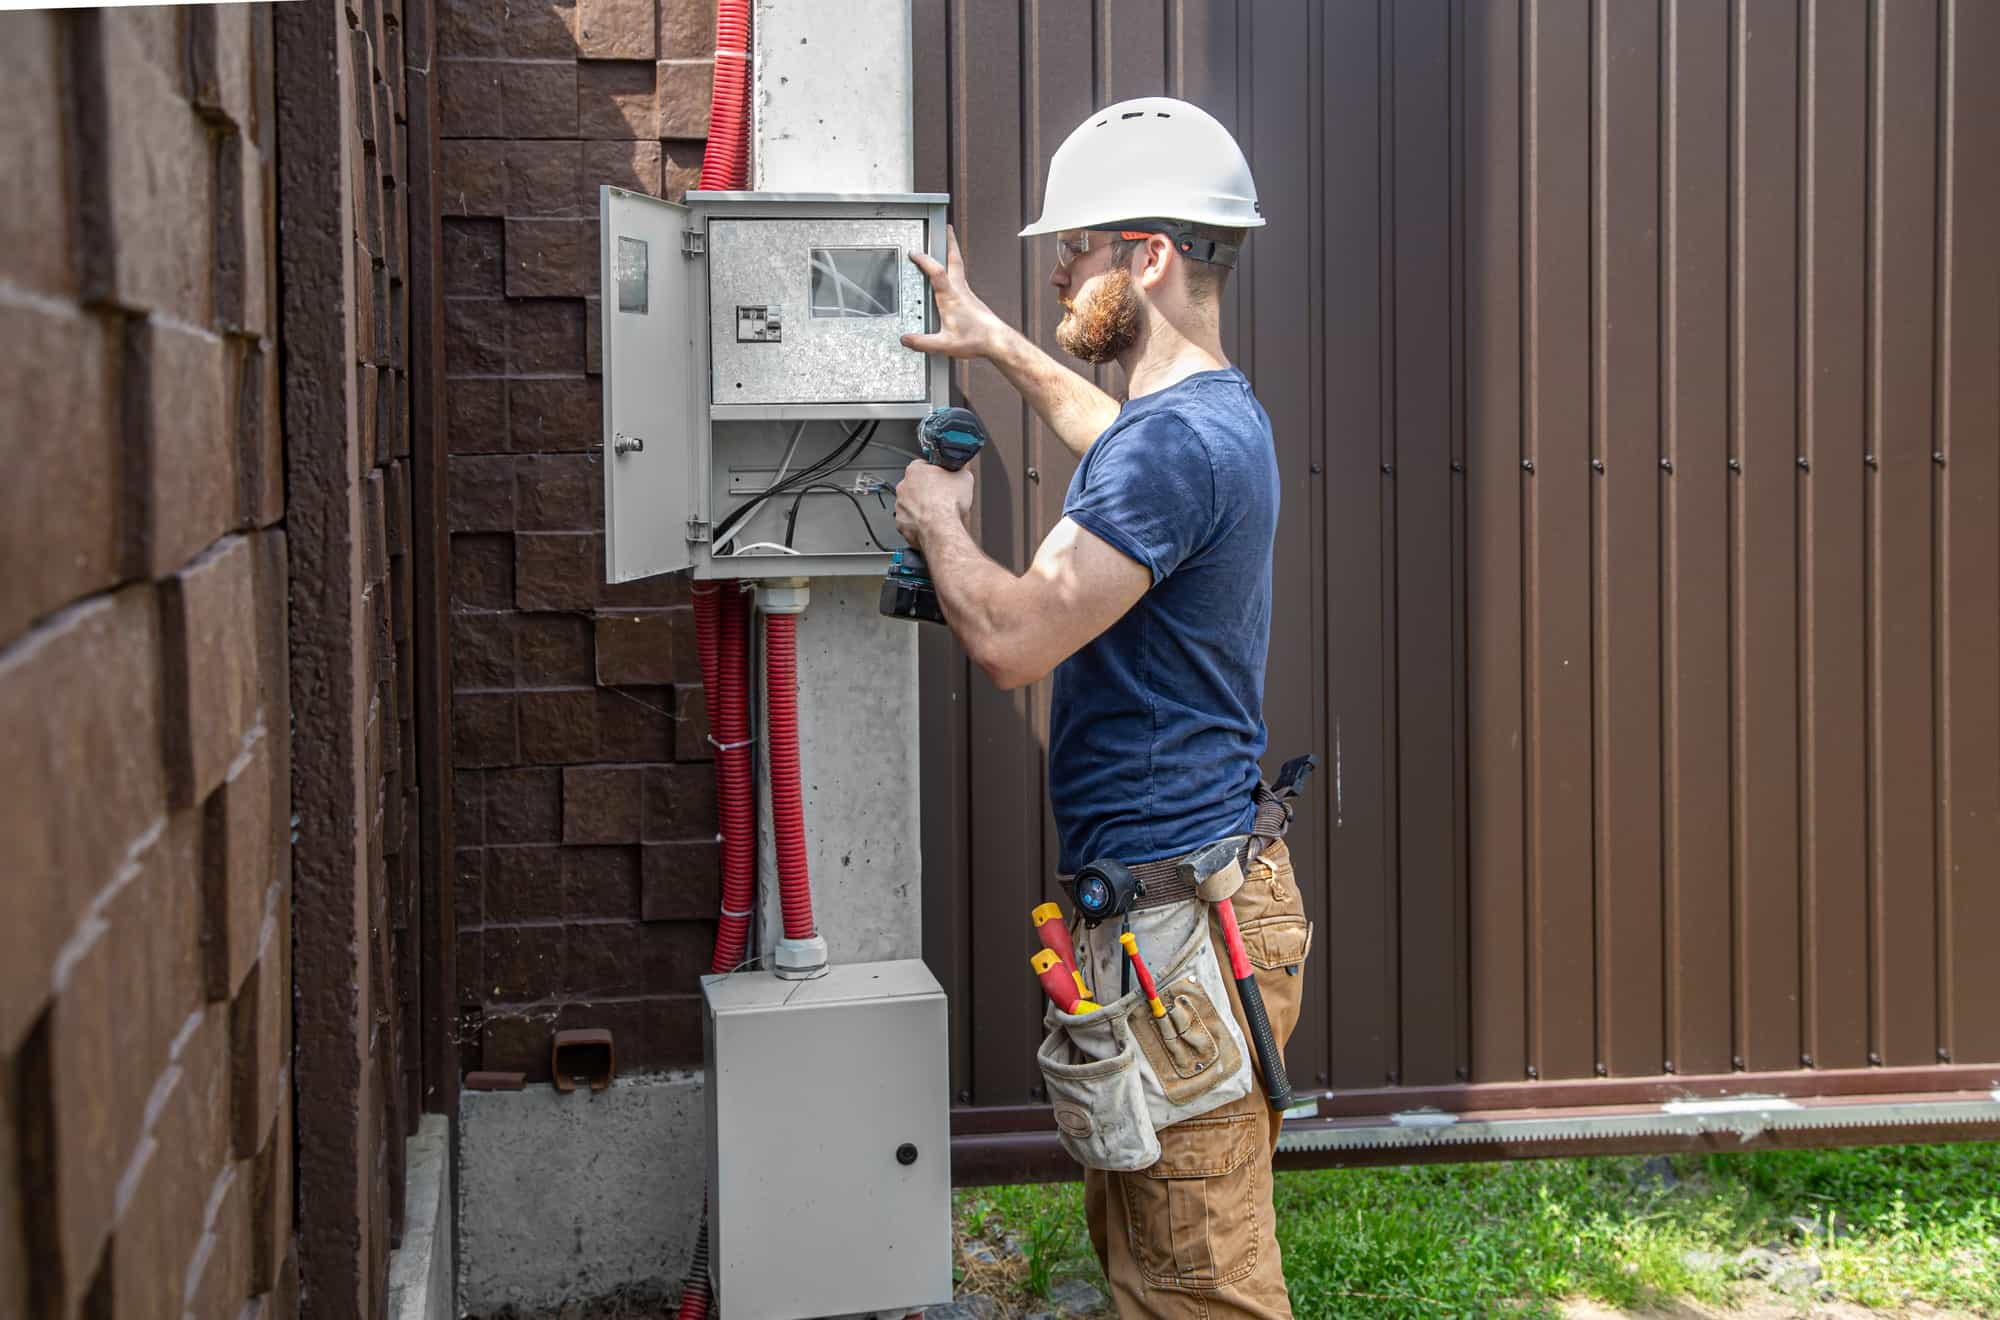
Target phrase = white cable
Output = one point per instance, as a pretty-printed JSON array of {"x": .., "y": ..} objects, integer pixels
[
  {"x": 763, "y": 495},
  {"x": 767, "y": 545}
]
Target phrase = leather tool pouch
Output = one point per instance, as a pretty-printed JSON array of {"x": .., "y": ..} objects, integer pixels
[{"x": 1118, "y": 1075}]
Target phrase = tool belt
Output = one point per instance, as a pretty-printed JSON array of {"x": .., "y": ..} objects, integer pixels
[
  {"x": 1162, "y": 880},
  {"x": 1117, "y": 1075}
]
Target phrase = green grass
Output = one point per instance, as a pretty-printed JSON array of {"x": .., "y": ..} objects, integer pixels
[{"x": 1893, "y": 1225}]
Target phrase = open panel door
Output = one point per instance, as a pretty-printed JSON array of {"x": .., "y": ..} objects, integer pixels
[{"x": 650, "y": 419}]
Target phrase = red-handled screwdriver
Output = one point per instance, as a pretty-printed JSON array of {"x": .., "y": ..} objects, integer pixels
[
  {"x": 1048, "y": 919},
  {"x": 1060, "y": 982},
  {"x": 1131, "y": 943}
]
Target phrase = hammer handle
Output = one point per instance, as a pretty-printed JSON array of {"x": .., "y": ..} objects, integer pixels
[{"x": 1270, "y": 1059}]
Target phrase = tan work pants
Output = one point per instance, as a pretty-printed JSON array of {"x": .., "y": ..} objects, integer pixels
[{"x": 1194, "y": 1234}]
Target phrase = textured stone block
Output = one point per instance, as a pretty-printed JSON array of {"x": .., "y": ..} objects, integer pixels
[
  {"x": 59, "y": 508},
  {"x": 482, "y": 651},
  {"x": 209, "y": 626},
  {"x": 482, "y": 571},
  {"x": 166, "y": 1213},
  {"x": 545, "y": 335},
  {"x": 524, "y": 806},
  {"x": 559, "y": 725},
  {"x": 560, "y": 493},
  {"x": 555, "y": 414},
  {"x": 600, "y": 883},
  {"x": 477, "y": 27},
  {"x": 474, "y": 262},
  {"x": 681, "y": 881},
  {"x": 475, "y": 415},
  {"x": 680, "y": 168},
  {"x": 469, "y": 887},
  {"x": 523, "y": 884},
  {"x": 523, "y": 962},
  {"x": 256, "y": 1029},
  {"x": 468, "y": 808},
  {"x": 552, "y": 650},
  {"x": 601, "y": 804},
  {"x": 260, "y": 445},
  {"x": 471, "y": 102},
  {"x": 691, "y": 724},
  {"x": 219, "y": 66},
  {"x": 593, "y": 336},
  {"x": 148, "y": 194},
  {"x": 475, "y": 339},
  {"x": 481, "y": 496},
  {"x": 684, "y": 90},
  {"x": 539, "y": 99},
  {"x": 556, "y": 571},
  {"x": 545, "y": 178},
  {"x": 635, "y": 724},
  {"x": 237, "y": 868},
  {"x": 271, "y": 1202},
  {"x": 219, "y": 1273},
  {"x": 551, "y": 258},
  {"x": 616, "y": 29},
  {"x": 472, "y": 178},
  {"x": 183, "y": 494},
  {"x": 687, "y": 30},
  {"x": 630, "y": 165},
  {"x": 35, "y": 223},
  {"x": 614, "y": 99},
  {"x": 680, "y": 803},
  {"x": 513, "y": 1042},
  {"x": 485, "y": 729},
  {"x": 674, "y": 956},
  {"x": 635, "y": 646},
  {"x": 603, "y": 958}
]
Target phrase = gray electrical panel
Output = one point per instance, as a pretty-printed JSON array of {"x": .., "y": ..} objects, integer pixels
[
  {"x": 758, "y": 400},
  {"x": 830, "y": 1149}
]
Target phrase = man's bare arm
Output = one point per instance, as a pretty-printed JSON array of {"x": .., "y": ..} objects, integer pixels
[
  {"x": 1017, "y": 629},
  {"x": 1074, "y": 408}
]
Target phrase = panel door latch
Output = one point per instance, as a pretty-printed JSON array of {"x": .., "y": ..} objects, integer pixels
[
  {"x": 627, "y": 444},
  {"x": 693, "y": 243}
]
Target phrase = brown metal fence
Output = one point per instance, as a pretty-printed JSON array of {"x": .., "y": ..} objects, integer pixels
[{"x": 1635, "y": 367}]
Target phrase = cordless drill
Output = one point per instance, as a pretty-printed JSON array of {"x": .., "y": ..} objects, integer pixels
[{"x": 950, "y": 438}]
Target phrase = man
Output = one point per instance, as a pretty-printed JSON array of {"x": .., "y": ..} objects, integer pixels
[{"x": 1151, "y": 603}]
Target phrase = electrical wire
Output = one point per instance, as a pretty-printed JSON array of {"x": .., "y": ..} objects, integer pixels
[
  {"x": 792, "y": 518},
  {"x": 841, "y": 456}
]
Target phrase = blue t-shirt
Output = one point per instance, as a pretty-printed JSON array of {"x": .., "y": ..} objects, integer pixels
[{"x": 1156, "y": 725}]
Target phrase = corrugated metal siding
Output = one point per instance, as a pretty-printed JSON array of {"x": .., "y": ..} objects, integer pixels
[{"x": 1635, "y": 367}]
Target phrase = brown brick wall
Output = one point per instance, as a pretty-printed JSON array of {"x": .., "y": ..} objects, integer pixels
[
  {"x": 145, "y": 802},
  {"x": 586, "y": 868}
]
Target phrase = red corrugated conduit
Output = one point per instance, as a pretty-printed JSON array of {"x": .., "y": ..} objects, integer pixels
[
  {"x": 720, "y": 619},
  {"x": 781, "y": 696}
]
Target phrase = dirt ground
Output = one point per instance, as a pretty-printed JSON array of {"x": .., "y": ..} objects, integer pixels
[{"x": 1760, "y": 1304}]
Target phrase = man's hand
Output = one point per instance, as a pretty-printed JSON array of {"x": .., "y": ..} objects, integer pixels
[
  {"x": 929, "y": 494},
  {"x": 967, "y": 327}
]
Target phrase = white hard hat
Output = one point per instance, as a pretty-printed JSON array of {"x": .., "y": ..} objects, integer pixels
[{"x": 1151, "y": 158}]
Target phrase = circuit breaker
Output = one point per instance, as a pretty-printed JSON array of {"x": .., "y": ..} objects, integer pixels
[
  {"x": 830, "y": 1150},
  {"x": 758, "y": 401}
]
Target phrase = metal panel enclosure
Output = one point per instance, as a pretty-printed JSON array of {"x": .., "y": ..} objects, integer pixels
[
  {"x": 830, "y": 1159},
  {"x": 838, "y": 340},
  {"x": 1631, "y": 364}
]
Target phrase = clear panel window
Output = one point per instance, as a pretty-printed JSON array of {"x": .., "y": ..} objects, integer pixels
[
  {"x": 855, "y": 281},
  {"x": 630, "y": 272}
]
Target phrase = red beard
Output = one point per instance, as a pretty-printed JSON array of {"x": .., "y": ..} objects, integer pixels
[{"x": 1107, "y": 327}]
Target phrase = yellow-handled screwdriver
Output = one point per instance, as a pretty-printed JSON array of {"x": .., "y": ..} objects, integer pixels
[{"x": 1131, "y": 943}]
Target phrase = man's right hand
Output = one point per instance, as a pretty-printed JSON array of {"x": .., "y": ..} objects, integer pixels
[{"x": 967, "y": 327}]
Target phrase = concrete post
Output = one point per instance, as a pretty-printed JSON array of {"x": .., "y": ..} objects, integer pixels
[{"x": 830, "y": 107}]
